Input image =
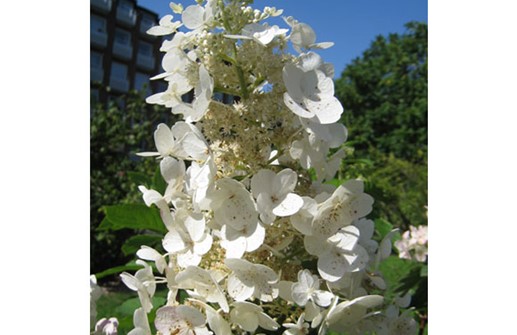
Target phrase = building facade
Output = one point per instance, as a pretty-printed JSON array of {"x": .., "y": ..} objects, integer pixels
[{"x": 122, "y": 56}]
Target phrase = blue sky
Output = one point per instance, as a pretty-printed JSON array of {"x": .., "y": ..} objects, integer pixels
[{"x": 350, "y": 24}]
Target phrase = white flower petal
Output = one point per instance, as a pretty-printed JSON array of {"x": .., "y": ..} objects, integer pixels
[
  {"x": 265, "y": 208},
  {"x": 347, "y": 238},
  {"x": 302, "y": 220},
  {"x": 234, "y": 204},
  {"x": 248, "y": 321},
  {"x": 366, "y": 227},
  {"x": 216, "y": 322},
  {"x": 150, "y": 196},
  {"x": 188, "y": 258},
  {"x": 293, "y": 77},
  {"x": 237, "y": 289},
  {"x": 204, "y": 245},
  {"x": 195, "y": 224},
  {"x": 163, "y": 139},
  {"x": 262, "y": 182},
  {"x": 266, "y": 272},
  {"x": 289, "y": 206},
  {"x": 150, "y": 254},
  {"x": 139, "y": 331},
  {"x": 191, "y": 276},
  {"x": 326, "y": 111},
  {"x": 358, "y": 259},
  {"x": 310, "y": 61},
  {"x": 285, "y": 182},
  {"x": 344, "y": 315},
  {"x": 306, "y": 280},
  {"x": 237, "y": 37},
  {"x": 298, "y": 108},
  {"x": 311, "y": 311},
  {"x": 173, "y": 242},
  {"x": 299, "y": 294},
  {"x": 234, "y": 248},
  {"x": 332, "y": 266},
  {"x": 192, "y": 315},
  {"x": 130, "y": 281},
  {"x": 322, "y": 298},
  {"x": 255, "y": 240},
  {"x": 302, "y": 35},
  {"x": 321, "y": 45},
  {"x": 315, "y": 245},
  {"x": 192, "y": 16},
  {"x": 141, "y": 323},
  {"x": 176, "y": 8},
  {"x": 266, "y": 322},
  {"x": 172, "y": 169}
]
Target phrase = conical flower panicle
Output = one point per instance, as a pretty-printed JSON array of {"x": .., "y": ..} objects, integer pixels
[{"x": 254, "y": 238}]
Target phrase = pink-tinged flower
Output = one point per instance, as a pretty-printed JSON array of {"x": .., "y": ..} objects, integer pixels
[{"x": 106, "y": 326}]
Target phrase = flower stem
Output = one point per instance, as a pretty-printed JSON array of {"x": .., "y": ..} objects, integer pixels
[{"x": 238, "y": 69}]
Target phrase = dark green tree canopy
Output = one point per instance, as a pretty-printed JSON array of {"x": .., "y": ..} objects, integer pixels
[{"x": 384, "y": 94}]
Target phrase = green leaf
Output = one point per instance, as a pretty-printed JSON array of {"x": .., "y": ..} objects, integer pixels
[
  {"x": 336, "y": 182},
  {"x": 158, "y": 183},
  {"x": 383, "y": 227},
  {"x": 134, "y": 243},
  {"x": 118, "y": 269},
  {"x": 132, "y": 216},
  {"x": 411, "y": 281},
  {"x": 364, "y": 161},
  {"x": 129, "y": 306},
  {"x": 139, "y": 178},
  {"x": 395, "y": 269},
  {"x": 105, "y": 224},
  {"x": 423, "y": 271}
]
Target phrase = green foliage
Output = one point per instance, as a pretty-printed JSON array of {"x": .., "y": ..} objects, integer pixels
[
  {"x": 132, "y": 216},
  {"x": 131, "y": 266},
  {"x": 116, "y": 134},
  {"x": 122, "y": 304},
  {"x": 398, "y": 186},
  {"x": 384, "y": 94},
  {"x": 132, "y": 245}
]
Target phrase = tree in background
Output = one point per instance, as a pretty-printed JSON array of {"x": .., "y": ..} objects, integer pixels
[{"x": 384, "y": 94}]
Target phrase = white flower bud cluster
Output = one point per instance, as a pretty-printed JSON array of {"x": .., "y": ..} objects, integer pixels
[{"x": 252, "y": 239}]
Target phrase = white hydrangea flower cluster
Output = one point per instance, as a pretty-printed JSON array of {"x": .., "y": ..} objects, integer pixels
[{"x": 252, "y": 239}]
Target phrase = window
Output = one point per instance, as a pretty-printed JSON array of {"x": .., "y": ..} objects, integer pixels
[
  {"x": 147, "y": 22},
  {"x": 161, "y": 86},
  {"x": 126, "y": 6},
  {"x": 118, "y": 77},
  {"x": 145, "y": 49},
  {"x": 95, "y": 60},
  {"x": 119, "y": 71},
  {"x": 97, "y": 24},
  {"x": 122, "y": 37},
  {"x": 126, "y": 13},
  {"x": 142, "y": 82},
  {"x": 122, "y": 46},
  {"x": 102, "y": 5}
]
